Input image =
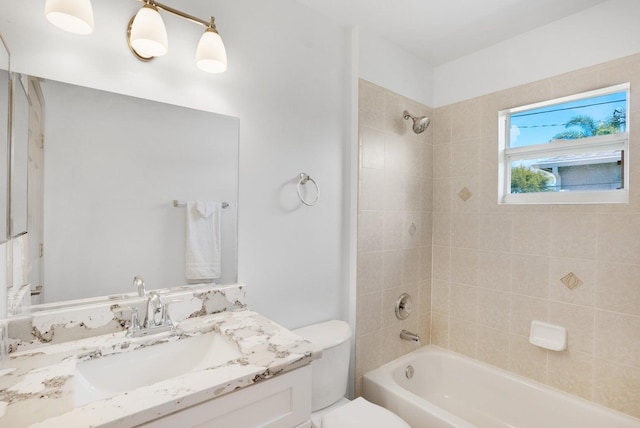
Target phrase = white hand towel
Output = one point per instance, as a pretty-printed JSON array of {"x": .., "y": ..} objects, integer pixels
[{"x": 202, "y": 260}]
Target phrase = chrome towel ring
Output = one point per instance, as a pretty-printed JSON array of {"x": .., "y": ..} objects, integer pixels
[{"x": 304, "y": 178}]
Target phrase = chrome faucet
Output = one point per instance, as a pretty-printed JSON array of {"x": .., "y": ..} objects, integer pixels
[
  {"x": 407, "y": 335},
  {"x": 156, "y": 318},
  {"x": 155, "y": 311}
]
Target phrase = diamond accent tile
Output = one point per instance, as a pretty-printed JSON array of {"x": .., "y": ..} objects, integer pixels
[
  {"x": 465, "y": 194},
  {"x": 412, "y": 229},
  {"x": 571, "y": 280}
]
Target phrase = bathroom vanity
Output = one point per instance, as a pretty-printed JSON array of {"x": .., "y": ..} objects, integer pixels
[{"x": 222, "y": 365}]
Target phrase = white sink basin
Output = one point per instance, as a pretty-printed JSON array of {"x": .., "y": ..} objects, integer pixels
[{"x": 114, "y": 374}]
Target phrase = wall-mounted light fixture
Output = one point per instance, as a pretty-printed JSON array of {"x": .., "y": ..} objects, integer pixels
[{"x": 146, "y": 33}]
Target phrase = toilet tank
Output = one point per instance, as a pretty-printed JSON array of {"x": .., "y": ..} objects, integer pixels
[{"x": 331, "y": 372}]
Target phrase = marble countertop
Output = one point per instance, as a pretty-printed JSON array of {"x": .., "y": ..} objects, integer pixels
[{"x": 37, "y": 385}]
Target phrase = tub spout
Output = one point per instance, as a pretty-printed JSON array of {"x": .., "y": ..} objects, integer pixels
[{"x": 407, "y": 335}]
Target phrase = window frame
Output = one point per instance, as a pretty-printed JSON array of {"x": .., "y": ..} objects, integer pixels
[{"x": 609, "y": 142}]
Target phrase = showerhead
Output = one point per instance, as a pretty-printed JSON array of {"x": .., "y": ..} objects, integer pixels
[{"x": 419, "y": 123}]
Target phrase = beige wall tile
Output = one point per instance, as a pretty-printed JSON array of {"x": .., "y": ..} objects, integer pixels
[
  {"x": 441, "y": 262},
  {"x": 464, "y": 302},
  {"x": 525, "y": 309},
  {"x": 465, "y": 157},
  {"x": 441, "y": 161},
  {"x": 531, "y": 232},
  {"x": 495, "y": 232},
  {"x": 584, "y": 269},
  {"x": 463, "y": 337},
  {"x": 572, "y": 372},
  {"x": 368, "y": 313},
  {"x": 574, "y": 235},
  {"x": 413, "y": 162},
  {"x": 392, "y": 269},
  {"x": 367, "y": 352},
  {"x": 394, "y": 193},
  {"x": 464, "y": 230},
  {"x": 440, "y": 297},
  {"x": 413, "y": 195},
  {"x": 526, "y": 359},
  {"x": 493, "y": 347},
  {"x": 394, "y": 121},
  {"x": 409, "y": 239},
  {"x": 442, "y": 126},
  {"x": 466, "y": 120},
  {"x": 392, "y": 236},
  {"x": 426, "y": 159},
  {"x": 410, "y": 266},
  {"x": 427, "y": 194},
  {"x": 618, "y": 338},
  {"x": 617, "y": 387},
  {"x": 425, "y": 228},
  {"x": 494, "y": 270},
  {"x": 618, "y": 288},
  {"x": 426, "y": 259},
  {"x": 390, "y": 259},
  {"x": 530, "y": 275},
  {"x": 464, "y": 266},
  {"x": 442, "y": 229},
  {"x": 471, "y": 183},
  {"x": 441, "y": 195},
  {"x": 494, "y": 309},
  {"x": 369, "y": 275},
  {"x": 579, "y": 322},
  {"x": 372, "y": 148},
  {"x": 440, "y": 330},
  {"x": 370, "y": 231},
  {"x": 618, "y": 238},
  {"x": 370, "y": 114},
  {"x": 371, "y": 194},
  {"x": 396, "y": 154}
]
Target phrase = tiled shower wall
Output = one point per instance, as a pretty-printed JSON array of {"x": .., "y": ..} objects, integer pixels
[
  {"x": 496, "y": 267},
  {"x": 394, "y": 227}
]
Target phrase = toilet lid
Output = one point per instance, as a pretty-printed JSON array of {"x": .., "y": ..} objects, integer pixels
[{"x": 361, "y": 413}]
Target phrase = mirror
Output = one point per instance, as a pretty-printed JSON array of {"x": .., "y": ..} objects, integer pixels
[
  {"x": 4, "y": 139},
  {"x": 20, "y": 156},
  {"x": 5, "y": 102},
  {"x": 111, "y": 166}
]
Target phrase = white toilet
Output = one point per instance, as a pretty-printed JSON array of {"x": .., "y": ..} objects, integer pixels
[{"x": 329, "y": 383}]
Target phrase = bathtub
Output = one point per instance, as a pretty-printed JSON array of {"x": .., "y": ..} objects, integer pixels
[{"x": 450, "y": 390}]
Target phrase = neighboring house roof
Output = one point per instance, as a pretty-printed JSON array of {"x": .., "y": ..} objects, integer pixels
[{"x": 580, "y": 159}]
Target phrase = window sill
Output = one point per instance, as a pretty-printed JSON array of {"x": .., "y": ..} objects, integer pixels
[{"x": 554, "y": 198}]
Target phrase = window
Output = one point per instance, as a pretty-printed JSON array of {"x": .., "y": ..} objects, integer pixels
[{"x": 568, "y": 150}]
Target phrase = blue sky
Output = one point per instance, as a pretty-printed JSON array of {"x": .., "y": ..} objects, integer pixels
[{"x": 540, "y": 125}]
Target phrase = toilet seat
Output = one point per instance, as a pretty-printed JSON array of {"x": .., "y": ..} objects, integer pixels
[{"x": 361, "y": 413}]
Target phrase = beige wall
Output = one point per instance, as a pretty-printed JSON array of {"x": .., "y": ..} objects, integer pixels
[
  {"x": 394, "y": 193},
  {"x": 496, "y": 268}
]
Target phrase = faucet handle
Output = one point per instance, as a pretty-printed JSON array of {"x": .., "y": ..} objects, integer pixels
[
  {"x": 165, "y": 311},
  {"x": 134, "y": 322},
  {"x": 138, "y": 282}
]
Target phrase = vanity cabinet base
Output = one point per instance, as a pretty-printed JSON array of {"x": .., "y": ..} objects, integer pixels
[{"x": 281, "y": 402}]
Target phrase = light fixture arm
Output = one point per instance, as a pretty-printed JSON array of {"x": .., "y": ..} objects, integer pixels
[{"x": 181, "y": 14}]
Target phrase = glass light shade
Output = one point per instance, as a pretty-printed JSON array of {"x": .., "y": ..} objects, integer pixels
[
  {"x": 211, "y": 55},
  {"x": 74, "y": 16},
  {"x": 148, "y": 33}
]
